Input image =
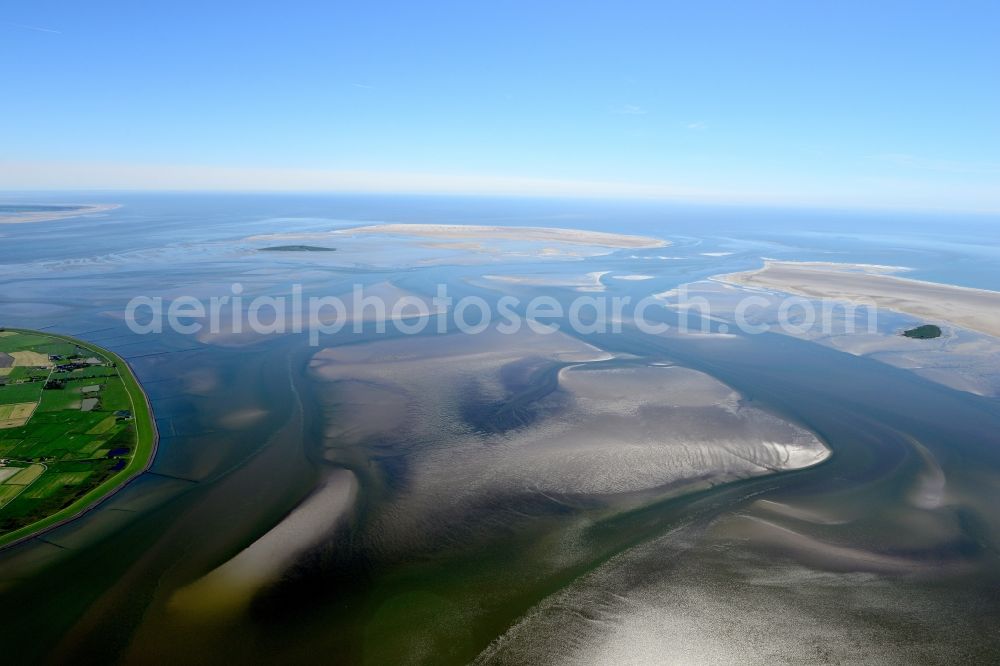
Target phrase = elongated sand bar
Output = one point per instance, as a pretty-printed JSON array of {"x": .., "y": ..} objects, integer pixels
[
  {"x": 974, "y": 309},
  {"x": 477, "y": 232},
  {"x": 39, "y": 213}
]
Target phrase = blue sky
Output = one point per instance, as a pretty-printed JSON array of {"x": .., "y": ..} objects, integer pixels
[{"x": 844, "y": 104}]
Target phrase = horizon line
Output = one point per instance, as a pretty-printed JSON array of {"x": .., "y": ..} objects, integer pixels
[{"x": 22, "y": 177}]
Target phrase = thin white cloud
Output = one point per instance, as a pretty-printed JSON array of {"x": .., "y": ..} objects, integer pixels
[
  {"x": 363, "y": 86},
  {"x": 697, "y": 125},
  {"x": 32, "y": 27},
  {"x": 631, "y": 110}
]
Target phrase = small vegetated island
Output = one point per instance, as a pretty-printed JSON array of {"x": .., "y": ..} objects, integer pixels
[
  {"x": 75, "y": 426},
  {"x": 297, "y": 248},
  {"x": 925, "y": 332}
]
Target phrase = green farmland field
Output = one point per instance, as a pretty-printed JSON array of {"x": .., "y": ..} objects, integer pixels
[{"x": 74, "y": 427}]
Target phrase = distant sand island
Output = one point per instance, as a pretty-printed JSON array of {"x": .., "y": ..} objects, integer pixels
[
  {"x": 974, "y": 309},
  {"x": 544, "y": 234},
  {"x": 24, "y": 213},
  {"x": 465, "y": 232}
]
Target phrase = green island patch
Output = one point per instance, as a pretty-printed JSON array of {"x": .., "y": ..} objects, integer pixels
[
  {"x": 297, "y": 248},
  {"x": 75, "y": 426},
  {"x": 925, "y": 332}
]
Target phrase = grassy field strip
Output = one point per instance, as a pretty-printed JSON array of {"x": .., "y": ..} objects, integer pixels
[
  {"x": 21, "y": 413},
  {"x": 30, "y": 359},
  {"x": 18, "y": 483},
  {"x": 17, "y": 414}
]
